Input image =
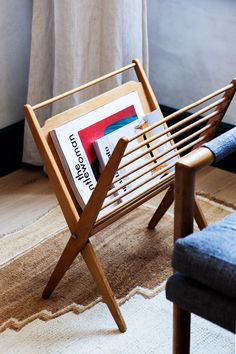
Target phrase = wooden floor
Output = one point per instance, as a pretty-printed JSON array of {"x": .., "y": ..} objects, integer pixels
[{"x": 26, "y": 194}]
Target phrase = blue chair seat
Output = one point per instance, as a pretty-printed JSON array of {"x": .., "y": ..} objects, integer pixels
[
  {"x": 209, "y": 256},
  {"x": 207, "y": 303}
]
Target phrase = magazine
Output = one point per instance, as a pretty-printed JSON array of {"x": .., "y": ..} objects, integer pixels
[
  {"x": 74, "y": 141},
  {"x": 152, "y": 118},
  {"x": 105, "y": 145}
]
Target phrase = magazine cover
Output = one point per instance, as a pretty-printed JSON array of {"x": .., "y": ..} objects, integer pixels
[
  {"x": 102, "y": 128},
  {"x": 74, "y": 141},
  {"x": 106, "y": 144}
]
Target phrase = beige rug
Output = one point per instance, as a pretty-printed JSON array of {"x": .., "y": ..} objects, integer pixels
[
  {"x": 149, "y": 331},
  {"x": 135, "y": 260}
]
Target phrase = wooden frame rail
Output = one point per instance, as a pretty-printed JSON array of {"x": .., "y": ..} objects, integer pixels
[
  {"x": 186, "y": 170},
  {"x": 148, "y": 177}
]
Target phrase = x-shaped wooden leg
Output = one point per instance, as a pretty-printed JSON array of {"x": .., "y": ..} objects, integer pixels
[
  {"x": 79, "y": 242},
  {"x": 166, "y": 203}
]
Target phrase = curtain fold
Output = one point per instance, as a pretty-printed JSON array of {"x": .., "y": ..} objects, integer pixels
[{"x": 75, "y": 41}]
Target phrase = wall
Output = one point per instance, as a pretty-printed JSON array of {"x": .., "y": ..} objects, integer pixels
[
  {"x": 15, "y": 29},
  {"x": 192, "y": 49},
  {"x": 191, "y": 44}
]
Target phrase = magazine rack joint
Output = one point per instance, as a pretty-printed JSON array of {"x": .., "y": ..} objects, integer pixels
[{"x": 197, "y": 128}]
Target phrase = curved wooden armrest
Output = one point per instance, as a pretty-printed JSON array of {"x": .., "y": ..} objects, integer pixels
[{"x": 185, "y": 172}]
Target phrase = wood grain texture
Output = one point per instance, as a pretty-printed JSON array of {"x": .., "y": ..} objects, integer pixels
[
  {"x": 186, "y": 208},
  {"x": 82, "y": 223},
  {"x": 181, "y": 331},
  {"x": 82, "y": 87},
  {"x": 26, "y": 194}
]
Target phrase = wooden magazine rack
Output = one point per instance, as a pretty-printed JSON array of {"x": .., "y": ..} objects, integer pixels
[{"x": 84, "y": 224}]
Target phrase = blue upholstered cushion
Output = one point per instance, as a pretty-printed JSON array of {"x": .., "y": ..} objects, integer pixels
[
  {"x": 209, "y": 256},
  {"x": 223, "y": 145},
  {"x": 194, "y": 297}
]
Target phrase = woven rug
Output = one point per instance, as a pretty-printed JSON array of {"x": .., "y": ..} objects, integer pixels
[
  {"x": 136, "y": 261},
  {"x": 149, "y": 331}
]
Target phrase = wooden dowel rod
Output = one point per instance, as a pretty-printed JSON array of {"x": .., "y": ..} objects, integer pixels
[
  {"x": 65, "y": 199},
  {"x": 115, "y": 199},
  {"x": 187, "y": 108},
  {"x": 154, "y": 175},
  {"x": 176, "y": 114},
  {"x": 171, "y": 137},
  {"x": 82, "y": 87},
  {"x": 173, "y": 147},
  {"x": 126, "y": 207},
  {"x": 183, "y": 121},
  {"x": 125, "y": 204},
  {"x": 153, "y": 167},
  {"x": 115, "y": 190},
  {"x": 142, "y": 77}
]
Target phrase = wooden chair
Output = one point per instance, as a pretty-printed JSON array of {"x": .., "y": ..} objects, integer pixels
[
  {"x": 86, "y": 223},
  {"x": 205, "y": 277}
]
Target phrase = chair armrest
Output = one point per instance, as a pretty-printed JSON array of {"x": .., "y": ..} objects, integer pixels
[{"x": 185, "y": 171}]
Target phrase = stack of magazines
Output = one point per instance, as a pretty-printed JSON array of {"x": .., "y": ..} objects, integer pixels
[{"x": 85, "y": 144}]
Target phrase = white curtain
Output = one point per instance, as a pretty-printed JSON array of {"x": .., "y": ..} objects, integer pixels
[{"x": 75, "y": 41}]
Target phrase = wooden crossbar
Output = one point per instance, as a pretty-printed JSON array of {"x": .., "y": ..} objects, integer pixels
[
  {"x": 156, "y": 159},
  {"x": 153, "y": 176},
  {"x": 174, "y": 126},
  {"x": 148, "y": 177},
  {"x": 82, "y": 87},
  {"x": 170, "y": 137}
]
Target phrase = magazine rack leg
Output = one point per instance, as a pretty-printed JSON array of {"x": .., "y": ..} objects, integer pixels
[
  {"x": 67, "y": 257},
  {"x": 166, "y": 203},
  {"x": 198, "y": 215},
  {"x": 99, "y": 277},
  {"x": 80, "y": 242},
  {"x": 162, "y": 208},
  {"x": 95, "y": 268}
]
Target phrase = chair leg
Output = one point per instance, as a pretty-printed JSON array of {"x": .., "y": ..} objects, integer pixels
[
  {"x": 67, "y": 257},
  {"x": 198, "y": 215},
  {"x": 99, "y": 277},
  {"x": 181, "y": 331},
  {"x": 162, "y": 208}
]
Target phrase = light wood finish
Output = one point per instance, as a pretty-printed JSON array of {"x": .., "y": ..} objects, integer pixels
[
  {"x": 162, "y": 208},
  {"x": 165, "y": 205},
  {"x": 154, "y": 174},
  {"x": 86, "y": 222},
  {"x": 64, "y": 196},
  {"x": 96, "y": 102},
  {"x": 26, "y": 195},
  {"x": 160, "y": 161},
  {"x": 199, "y": 216},
  {"x": 142, "y": 77},
  {"x": 184, "y": 189},
  {"x": 125, "y": 208},
  {"x": 80, "y": 227},
  {"x": 83, "y": 224},
  {"x": 185, "y": 209},
  {"x": 175, "y": 135},
  {"x": 228, "y": 96},
  {"x": 164, "y": 182},
  {"x": 174, "y": 126},
  {"x": 98, "y": 274},
  {"x": 172, "y": 148},
  {"x": 82, "y": 87}
]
